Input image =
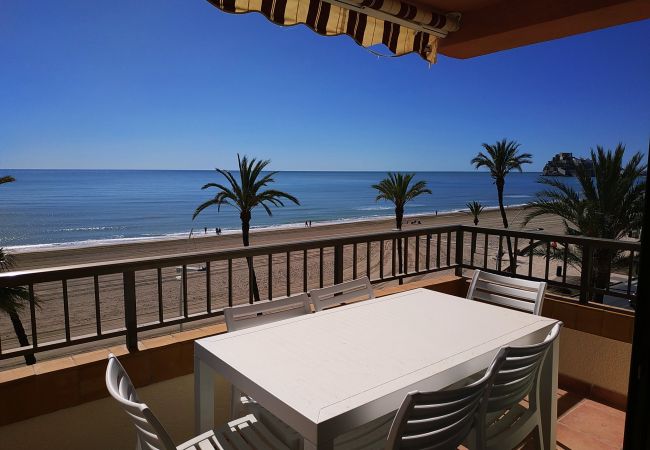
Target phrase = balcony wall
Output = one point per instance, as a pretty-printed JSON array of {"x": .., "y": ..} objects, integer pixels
[{"x": 63, "y": 404}]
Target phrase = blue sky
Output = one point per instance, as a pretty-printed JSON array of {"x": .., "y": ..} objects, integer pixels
[{"x": 180, "y": 85}]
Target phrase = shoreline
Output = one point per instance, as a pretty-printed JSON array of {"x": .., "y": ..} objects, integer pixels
[{"x": 194, "y": 234}]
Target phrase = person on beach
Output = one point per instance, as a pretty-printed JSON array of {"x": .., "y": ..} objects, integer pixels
[
  {"x": 310, "y": 224},
  {"x": 205, "y": 230}
]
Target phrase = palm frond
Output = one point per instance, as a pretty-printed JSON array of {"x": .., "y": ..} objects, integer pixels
[
  {"x": 6, "y": 260},
  {"x": 475, "y": 208},
  {"x": 244, "y": 193},
  {"x": 203, "y": 206},
  {"x": 235, "y": 188},
  {"x": 13, "y": 299},
  {"x": 417, "y": 189},
  {"x": 609, "y": 205},
  {"x": 266, "y": 208},
  {"x": 398, "y": 188},
  {"x": 501, "y": 158}
]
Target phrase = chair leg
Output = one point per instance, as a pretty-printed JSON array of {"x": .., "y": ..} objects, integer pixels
[
  {"x": 479, "y": 439},
  {"x": 473, "y": 440},
  {"x": 235, "y": 402},
  {"x": 539, "y": 436}
]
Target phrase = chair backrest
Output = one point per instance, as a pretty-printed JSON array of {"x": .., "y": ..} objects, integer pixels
[
  {"x": 341, "y": 293},
  {"x": 260, "y": 313},
  {"x": 517, "y": 374},
  {"x": 515, "y": 293},
  {"x": 150, "y": 433},
  {"x": 440, "y": 419}
]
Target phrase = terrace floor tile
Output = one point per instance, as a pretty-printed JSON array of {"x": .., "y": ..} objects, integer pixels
[{"x": 584, "y": 424}]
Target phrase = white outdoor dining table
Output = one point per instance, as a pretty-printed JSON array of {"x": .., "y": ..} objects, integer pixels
[{"x": 326, "y": 373}]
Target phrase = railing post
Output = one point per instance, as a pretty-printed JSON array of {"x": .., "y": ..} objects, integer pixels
[
  {"x": 585, "y": 272},
  {"x": 460, "y": 245},
  {"x": 130, "y": 318},
  {"x": 338, "y": 264}
]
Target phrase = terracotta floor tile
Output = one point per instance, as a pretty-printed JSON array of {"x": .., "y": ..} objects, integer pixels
[
  {"x": 570, "y": 439},
  {"x": 599, "y": 421},
  {"x": 616, "y": 414},
  {"x": 566, "y": 402}
]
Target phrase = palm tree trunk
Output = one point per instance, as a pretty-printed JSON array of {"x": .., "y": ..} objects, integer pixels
[
  {"x": 245, "y": 230},
  {"x": 500, "y": 184},
  {"x": 399, "y": 218},
  {"x": 22, "y": 336},
  {"x": 473, "y": 243},
  {"x": 602, "y": 269}
]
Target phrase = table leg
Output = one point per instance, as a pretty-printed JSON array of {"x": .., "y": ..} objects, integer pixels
[
  {"x": 325, "y": 444},
  {"x": 548, "y": 395},
  {"x": 203, "y": 396}
]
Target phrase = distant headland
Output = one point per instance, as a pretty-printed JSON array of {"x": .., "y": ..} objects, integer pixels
[{"x": 565, "y": 165}]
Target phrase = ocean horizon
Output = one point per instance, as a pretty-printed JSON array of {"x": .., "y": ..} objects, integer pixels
[{"x": 66, "y": 207}]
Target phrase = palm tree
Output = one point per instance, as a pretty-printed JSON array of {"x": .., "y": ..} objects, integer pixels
[
  {"x": 397, "y": 188},
  {"x": 475, "y": 209},
  {"x": 13, "y": 300},
  {"x": 502, "y": 158},
  {"x": 609, "y": 206},
  {"x": 245, "y": 195}
]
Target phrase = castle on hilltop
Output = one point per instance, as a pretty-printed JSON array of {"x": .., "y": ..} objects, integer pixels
[{"x": 565, "y": 165}]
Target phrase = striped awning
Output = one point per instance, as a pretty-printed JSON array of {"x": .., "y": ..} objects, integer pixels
[{"x": 402, "y": 27}]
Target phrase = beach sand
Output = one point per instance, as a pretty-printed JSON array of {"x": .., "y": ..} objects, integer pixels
[
  {"x": 81, "y": 294},
  {"x": 42, "y": 257}
]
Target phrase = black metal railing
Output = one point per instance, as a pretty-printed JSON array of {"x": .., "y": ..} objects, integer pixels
[
  {"x": 83, "y": 303},
  {"x": 579, "y": 261}
]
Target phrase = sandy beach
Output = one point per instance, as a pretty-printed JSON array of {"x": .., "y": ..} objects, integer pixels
[
  {"x": 42, "y": 257},
  {"x": 83, "y": 316}
]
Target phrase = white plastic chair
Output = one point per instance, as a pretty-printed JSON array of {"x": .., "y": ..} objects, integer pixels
[
  {"x": 260, "y": 313},
  {"x": 515, "y": 293},
  {"x": 359, "y": 289},
  {"x": 244, "y": 433},
  {"x": 441, "y": 419},
  {"x": 503, "y": 421},
  {"x": 246, "y": 316}
]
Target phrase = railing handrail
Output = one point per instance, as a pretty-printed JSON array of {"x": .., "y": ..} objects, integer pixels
[
  {"x": 565, "y": 238},
  {"x": 30, "y": 276}
]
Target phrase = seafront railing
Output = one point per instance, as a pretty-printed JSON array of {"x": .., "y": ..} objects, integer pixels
[
  {"x": 589, "y": 268},
  {"x": 78, "y": 304}
]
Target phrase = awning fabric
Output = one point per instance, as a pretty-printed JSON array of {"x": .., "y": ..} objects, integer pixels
[{"x": 333, "y": 18}]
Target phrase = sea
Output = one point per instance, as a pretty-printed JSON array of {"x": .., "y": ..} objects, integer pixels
[{"x": 53, "y": 208}]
